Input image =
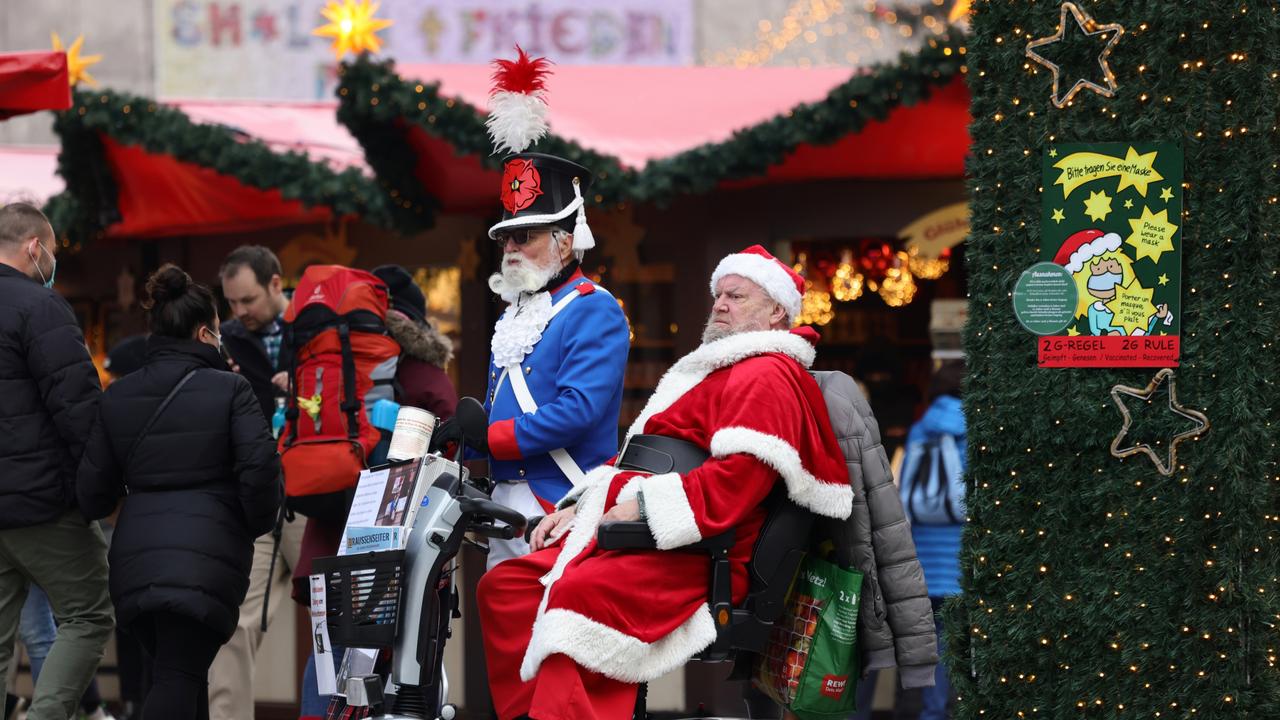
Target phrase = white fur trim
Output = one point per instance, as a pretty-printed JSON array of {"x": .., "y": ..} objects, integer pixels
[
  {"x": 670, "y": 517},
  {"x": 807, "y": 491},
  {"x": 586, "y": 520},
  {"x": 694, "y": 367},
  {"x": 768, "y": 274},
  {"x": 603, "y": 474},
  {"x": 535, "y": 220},
  {"x": 631, "y": 489},
  {"x": 516, "y": 120},
  {"x": 612, "y": 653},
  {"x": 1090, "y": 250}
]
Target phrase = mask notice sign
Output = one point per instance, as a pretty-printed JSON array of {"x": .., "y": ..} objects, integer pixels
[{"x": 1111, "y": 216}]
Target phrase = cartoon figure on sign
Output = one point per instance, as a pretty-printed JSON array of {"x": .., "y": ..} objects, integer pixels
[{"x": 1094, "y": 259}]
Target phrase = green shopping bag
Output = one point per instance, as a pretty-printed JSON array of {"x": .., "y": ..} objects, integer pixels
[{"x": 811, "y": 663}]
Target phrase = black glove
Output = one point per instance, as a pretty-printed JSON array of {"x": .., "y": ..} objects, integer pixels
[{"x": 446, "y": 434}]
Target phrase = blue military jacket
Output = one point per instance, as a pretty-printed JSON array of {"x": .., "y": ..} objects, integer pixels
[{"x": 574, "y": 374}]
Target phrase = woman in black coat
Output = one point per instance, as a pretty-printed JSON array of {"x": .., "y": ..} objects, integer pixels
[{"x": 200, "y": 480}]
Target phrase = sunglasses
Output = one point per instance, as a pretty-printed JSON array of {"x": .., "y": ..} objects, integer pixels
[{"x": 520, "y": 237}]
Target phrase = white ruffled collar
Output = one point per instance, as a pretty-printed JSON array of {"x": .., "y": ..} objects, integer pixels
[{"x": 520, "y": 328}]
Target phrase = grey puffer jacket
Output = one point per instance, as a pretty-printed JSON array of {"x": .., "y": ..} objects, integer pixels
[{"x": 895, "y": 625}]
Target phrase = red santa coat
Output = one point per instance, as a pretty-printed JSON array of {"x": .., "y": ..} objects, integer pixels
[{"x": 635, "y": 615}]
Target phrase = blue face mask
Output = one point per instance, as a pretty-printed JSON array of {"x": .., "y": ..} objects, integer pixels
[
  {"x": 53, "y": 272},
  {"x": 1105, "y": 281}
]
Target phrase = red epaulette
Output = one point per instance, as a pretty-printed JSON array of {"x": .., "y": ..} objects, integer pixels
[{"x": 586, "y": 287}]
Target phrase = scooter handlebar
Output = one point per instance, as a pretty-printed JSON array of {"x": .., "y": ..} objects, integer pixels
[{"x": 497, "y": 511}]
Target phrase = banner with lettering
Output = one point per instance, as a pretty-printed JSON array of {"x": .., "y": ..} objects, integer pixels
[
  {"x": 265, "y": 49},
  {"x": 1112, "y": 216}
]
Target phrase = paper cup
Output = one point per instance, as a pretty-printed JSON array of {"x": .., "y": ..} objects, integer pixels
[{"x": 412, "y": 435}]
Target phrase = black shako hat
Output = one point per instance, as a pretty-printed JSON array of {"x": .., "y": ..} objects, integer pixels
[
  {"x": 540, "y": 189},
  {"x": 537, "y": 189}
]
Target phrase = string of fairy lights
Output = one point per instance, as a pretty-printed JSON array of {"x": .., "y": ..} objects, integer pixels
[
  {"x": 1008, "y": 223},
  {"x": 852, "y": 32}
]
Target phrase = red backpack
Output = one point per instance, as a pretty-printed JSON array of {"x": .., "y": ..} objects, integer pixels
[{"x": 336, "y": 325}]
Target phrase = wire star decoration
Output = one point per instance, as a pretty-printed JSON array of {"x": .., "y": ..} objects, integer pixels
[
  {"x": 1089, "y": 27},
  {"x": 1202, "y": 422}
]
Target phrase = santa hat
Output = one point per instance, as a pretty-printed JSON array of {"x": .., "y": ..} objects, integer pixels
[
  {"x": 756, "y": 264},
  {"x": 537, "y": 189},
  {"x": 1084, "y": 246}
]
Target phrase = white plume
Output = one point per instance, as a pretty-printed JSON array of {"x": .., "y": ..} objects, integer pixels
[{"x": 516, "y": 120}]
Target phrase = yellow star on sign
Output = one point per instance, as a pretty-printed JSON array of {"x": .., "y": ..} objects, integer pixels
[
  {"x": 1058, "y": 217},
  {"x": 1152, "y": 234},
  {"x": 1164, "y": 280},
  {"x": 1132, "y": 307},
  {"x": 1072, "y": 332},
  {"x": 1128, "y": 203},
  {"x": 1166, "y": 194},
  {"x": 77, "y": 67},
  {"x": 1098, "y": 206},
  {"x": 1053, "y": 152}
]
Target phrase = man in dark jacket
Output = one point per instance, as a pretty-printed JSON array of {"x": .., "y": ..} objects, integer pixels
[
  {"x": 252, "y": 285},
  {"x": 48, "y": 394}
]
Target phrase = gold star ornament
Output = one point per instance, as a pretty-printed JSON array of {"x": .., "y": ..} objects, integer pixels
[
  {"x": 1166, "y": 467},
  {"x": 1110, "y": 32},
  {"x": 352, "y": 26},
  {"x": 77, "y": 65}
]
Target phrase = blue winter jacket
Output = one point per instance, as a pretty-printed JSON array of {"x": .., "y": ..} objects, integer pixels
[
  {"x": 938, "y": 546},
  {"x": 575, "y": 375}
]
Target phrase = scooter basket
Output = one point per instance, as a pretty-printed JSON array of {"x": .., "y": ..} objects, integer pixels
[{"x": 362, "y": 597}]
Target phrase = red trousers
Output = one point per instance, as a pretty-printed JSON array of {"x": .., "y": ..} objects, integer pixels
[{"x": 508, "y": 597}]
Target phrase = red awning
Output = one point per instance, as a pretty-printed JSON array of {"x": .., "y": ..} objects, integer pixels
[
  {"x": 641, "y": 114},
  {"x": 159, "y": 196},
  {"x": 33, "y": 81}
]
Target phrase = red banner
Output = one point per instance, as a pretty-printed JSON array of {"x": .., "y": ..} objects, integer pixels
[
  {"x": 1108, "y": 351},
  {"x": 32, "y": 81}
]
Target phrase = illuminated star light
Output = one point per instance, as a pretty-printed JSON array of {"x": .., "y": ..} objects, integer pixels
[
  {"x": 352, "y": 26},
  {"x": 1090, "y": 27},
  {"x": 77, "y": 67}
]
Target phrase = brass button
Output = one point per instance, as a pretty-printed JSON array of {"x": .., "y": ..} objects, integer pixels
[
  {"x": 528, "y": 370},
  {"x": 521, "y": 471},
  {"x": 493, "y": 376}
]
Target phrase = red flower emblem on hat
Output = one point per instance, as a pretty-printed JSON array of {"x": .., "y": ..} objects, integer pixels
[{"x": 521, "y": 185}]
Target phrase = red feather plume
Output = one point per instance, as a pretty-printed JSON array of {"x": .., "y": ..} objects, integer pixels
[{"x": 523, "y": 75}]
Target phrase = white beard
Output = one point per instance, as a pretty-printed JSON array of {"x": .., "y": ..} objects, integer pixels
[{"x": 522, "y": 276}]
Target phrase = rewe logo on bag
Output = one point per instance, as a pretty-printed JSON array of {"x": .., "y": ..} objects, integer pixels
[{"x": 833, "y": 686}]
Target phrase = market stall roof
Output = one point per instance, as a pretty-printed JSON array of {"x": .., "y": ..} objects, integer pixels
[
  {"x": 653, "y": 133},
  {"x": 138, "y": 168},
  {"x": 29, "y": 173},
  {"x": 32, "y": 81},
  {"x": 311, "y": 128},
  {"x": 638, "y": 114}
]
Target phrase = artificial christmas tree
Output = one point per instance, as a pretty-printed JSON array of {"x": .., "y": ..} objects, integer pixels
[{"x": 1097, "y": 587}]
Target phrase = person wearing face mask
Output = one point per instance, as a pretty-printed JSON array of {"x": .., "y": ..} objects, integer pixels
[
  {"x": 48, "y": 392},
  {"x": 183, "y": 448}
]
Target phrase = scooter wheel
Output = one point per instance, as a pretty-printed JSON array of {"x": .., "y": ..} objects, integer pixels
[{"x": 448, "y": 712}]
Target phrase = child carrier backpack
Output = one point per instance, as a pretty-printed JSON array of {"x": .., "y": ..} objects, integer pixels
[{"x": 343, "y": 362}]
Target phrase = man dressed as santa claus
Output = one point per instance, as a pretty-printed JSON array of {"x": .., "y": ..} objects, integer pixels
[{"x": 571, "y": 629}]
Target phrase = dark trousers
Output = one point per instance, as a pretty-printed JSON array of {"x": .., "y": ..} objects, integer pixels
[{"x": 181, "y": 652}]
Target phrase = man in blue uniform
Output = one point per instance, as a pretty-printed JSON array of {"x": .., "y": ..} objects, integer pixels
[{"x": 558, "y": 352}]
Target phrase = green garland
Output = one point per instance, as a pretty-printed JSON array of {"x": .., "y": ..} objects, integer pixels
[
  {"x": 88, "y": 205},
  {"x": 374, "y": 102},
  {"x": 1095, "y": 587}
]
